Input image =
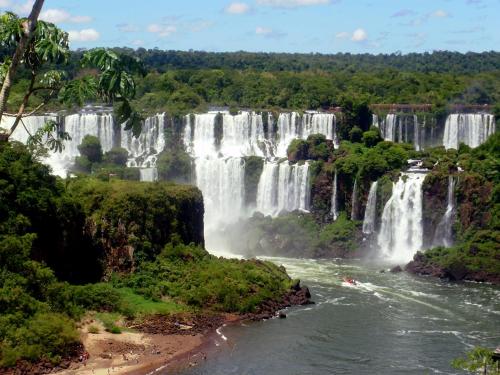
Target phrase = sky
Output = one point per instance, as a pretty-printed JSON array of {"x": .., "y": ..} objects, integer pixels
[{"x": 306, "y": 26}]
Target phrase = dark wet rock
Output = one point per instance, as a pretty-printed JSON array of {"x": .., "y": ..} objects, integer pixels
[{"x": 396, "y": 269}]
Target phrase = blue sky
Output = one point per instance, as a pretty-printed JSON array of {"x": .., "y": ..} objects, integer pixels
[{"x": 325, "y": 26}]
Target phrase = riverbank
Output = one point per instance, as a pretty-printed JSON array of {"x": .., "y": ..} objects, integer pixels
[{"x": 157, "y": 341}]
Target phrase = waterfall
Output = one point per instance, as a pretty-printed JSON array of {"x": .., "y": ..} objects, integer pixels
[
  {"x": 283, "y": 187},
  {"x": 148, "y": 174},
  {"x": 401, "y": 231},
  {"x": 444, "y": 231},
  {"x": 354, "y": 201},
  {"x": 375, "y": 120},
  {"x": 471, "y": 129},
  {"x": 334, "y": 209},
  {"x": 370, "y": 218},
  {"x": 243, "y": 135},
  {"x": 389, "y": 128},
  {"x": 77, "y": 126},
  {"x": 221, "y": 180},
  {"x": 292, "y": 126},
  {"x": 143, "y": 150}
]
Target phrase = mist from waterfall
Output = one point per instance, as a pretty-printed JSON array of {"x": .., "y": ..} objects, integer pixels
[
  {"x": 401, "y": 229},
  {"x": 471, "y": 129},
  {"x": 443, "y": 235},
  {"x": 369, "y": 221}
]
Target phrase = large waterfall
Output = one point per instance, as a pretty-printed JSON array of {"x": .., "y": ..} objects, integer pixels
[
  {"x": 371, "y": 210},
  {"x": 401, "y": 231},
  {"x": 443, "y": 235},
  {"x": 471, "y": 129},
  {"x": 283, "y": 187}
]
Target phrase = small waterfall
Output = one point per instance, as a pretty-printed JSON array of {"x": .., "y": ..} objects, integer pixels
[
  {"x": 144, "y": 150},
  {"x": 375, "y": 120},
  {"x": 334, "y": 209},
  {"x": 471, "y": 129},
  {"x": 148, "y": 174},
  {"x": 444, "y": 231},
  {"x": 401, "y": 231},
  {"x": 283, "y": 187},
  {"x": 369, "y": 221},
  {"x": 389, "y": 129},
  {"x": 292, "y": 126},
  {"x": 354, "y": 201},
  {"x": 81, "y": 124},
  {"x": 243, "y": 135}
]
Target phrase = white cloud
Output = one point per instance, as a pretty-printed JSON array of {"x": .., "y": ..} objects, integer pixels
[
  {"x": 85, "y": 35},
  {"x": 440, "y": 13},
  {"x": 162, "y": 30},
  {"x": 359, "y": 35},
  {"x": 263, "y": 30},
  {"x": 4, "y": 3},
  {"x": 127, "y": 28},
  {"x": 342, "y": 35},
  {"x": 61, "y": 16},
  {"x": 22, "y": 9},
  {"x": 237, "y": 8},
  {"x": 138, "y": 42},
  {"x": 292, "y": 3}
]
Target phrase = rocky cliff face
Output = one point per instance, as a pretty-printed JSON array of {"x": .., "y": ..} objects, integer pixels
[{"x": 127, "y": 222}]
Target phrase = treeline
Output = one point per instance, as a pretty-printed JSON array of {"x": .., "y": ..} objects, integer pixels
[{"x": 438, "y": 61}]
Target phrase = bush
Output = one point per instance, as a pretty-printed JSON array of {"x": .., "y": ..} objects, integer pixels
[
  {"x": 355, "y": 134},
  {"x": 91, "y": 148},
  {"x": 116, "y": 156},
  {"x": 371, "y": 138},
  {"x": 174, "y": 165},
  {"x": 45, "y": 335}
]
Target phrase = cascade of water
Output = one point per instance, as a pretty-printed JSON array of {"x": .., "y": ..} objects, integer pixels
[
  {"x": 471, "y": 129},
  {"x": 334, "y": 210},
  {"x": 375, "y": 120},
  {"x": 369, "y": 221},
  {"x": 287, "y": 131},
  {"x": 283, "y": 187},
  {"x": 389, "y": 129},
  {"x": 81, "y": 124},
  {"x": 444, "y": 231},
  {"x": 148, "y": 174},
  {"x": 77, "y": 126},
  {"x": 401, "y": 231},
  {"x": 221, "y": 181},
  {"x": 354, "y": 201},
  {"x": 143, "y": 150},
  {"x": 291, "y": 126},
  {"x": 243, "y": 134},
  {"x": 416, "y": 134}
]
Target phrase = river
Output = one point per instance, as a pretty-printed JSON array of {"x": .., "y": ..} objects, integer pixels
[{"x": 386, "y": 324}]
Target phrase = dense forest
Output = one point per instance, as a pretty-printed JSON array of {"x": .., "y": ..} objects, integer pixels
[{"x": 178, "y": 82}]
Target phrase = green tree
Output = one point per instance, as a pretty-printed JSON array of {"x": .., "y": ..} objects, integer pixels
[
  {"x": 478, "y": 360},
  {"x": 20, "y": 34},
  {"x": 91, "y": 148}
]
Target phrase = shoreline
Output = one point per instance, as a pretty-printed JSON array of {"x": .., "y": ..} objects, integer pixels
[{"x": 160, "y": 342}]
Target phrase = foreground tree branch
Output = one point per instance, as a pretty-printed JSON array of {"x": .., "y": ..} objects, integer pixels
[{"x": 29, "y": 27}]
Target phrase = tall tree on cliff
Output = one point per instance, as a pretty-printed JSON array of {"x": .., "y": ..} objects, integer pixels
[{"x": 45, "y": 45}]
